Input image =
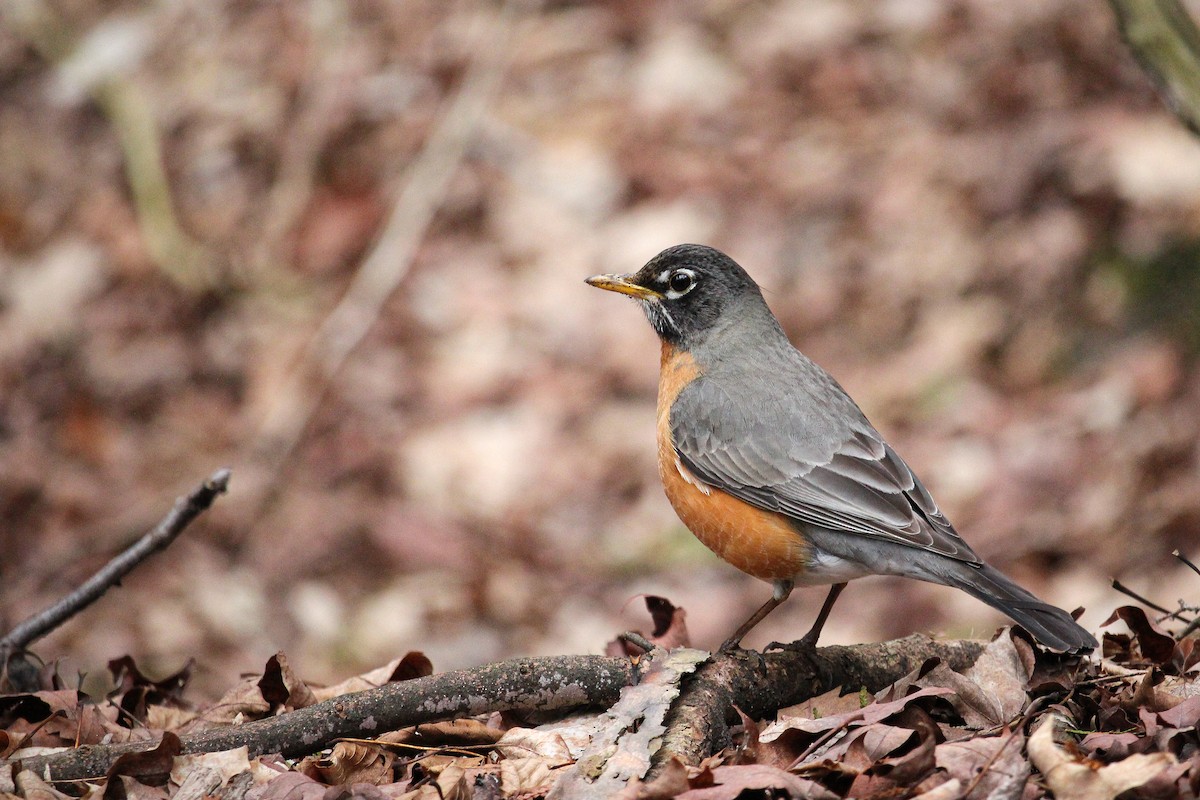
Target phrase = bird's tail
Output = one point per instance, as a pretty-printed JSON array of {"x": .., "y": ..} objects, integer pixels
[{"x": 1051, "y": 626}]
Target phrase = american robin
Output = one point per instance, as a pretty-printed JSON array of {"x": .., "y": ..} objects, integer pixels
[{"x": 772, "y": 466}]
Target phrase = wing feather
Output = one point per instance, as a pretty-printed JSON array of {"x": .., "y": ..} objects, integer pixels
[{"x": 833, "y": 471}]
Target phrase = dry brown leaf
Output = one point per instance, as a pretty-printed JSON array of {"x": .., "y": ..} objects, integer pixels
[
  {"x": 914, "y": 766},
  {"x": 991, "y": 692},
  {"x": 201, "y": 774},
  {"x": 672, "y": 781},
  {"x": 1113, "y": 746},
  {"x": 670, "y": 629},
  {"x": 450, "y": 732},
  {"x": 532, "y": 775},
  {"x": 670, "y": 623},
  {"x": 281, "y": 687},
  {"x": 136, "y": 693},
  {"x": 949, "y": 790},
  {"x": 149, "y": 767},
  {"x": 31, "y": 787},
  {"x": 168, "y": 718},
  {"x": 874, "y": 743},
  {"x": 1071, "y": 778},
  {"x": 356, "y": 762},
  {"x": 1002, "y": 674},
  {"x": 243, "y": 702},
  {"x": 1185, "y": 714},
  {"x": 293, "y": 786},
  {"x": 1154, "y": 643},
  {"x": 728, "y": 783},
  {"x": 413, "y": 664},
  {"x": 867, "y": 715},
  {"x": 520, "y": 743},
  {"x": 990, "y": 766},
  {"x": 829, "y": 704},
  {"x": 126, "y": 787},
  {"x": 452, "y": 782}
]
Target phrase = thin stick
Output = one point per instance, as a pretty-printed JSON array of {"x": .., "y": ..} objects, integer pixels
[
  {"x": 1191, "y": 628},
  {"x": 1125, "y": 590},
  {"x": 1185, "y": 560},
  {"x": 185, "y": 511},
  {"x": 636, "y": 639}
]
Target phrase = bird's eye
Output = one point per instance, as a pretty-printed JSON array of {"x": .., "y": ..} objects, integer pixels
[{"x": 681, "y": 281}]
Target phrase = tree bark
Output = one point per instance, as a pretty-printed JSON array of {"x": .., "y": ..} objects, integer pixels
[{"x": 698, "y": 722}]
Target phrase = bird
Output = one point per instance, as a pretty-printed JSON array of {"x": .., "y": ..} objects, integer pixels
[{"x": 772, "y": 465}]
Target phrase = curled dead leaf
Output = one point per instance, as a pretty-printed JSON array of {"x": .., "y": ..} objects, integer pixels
[
  {"x": 1073, "y": 778},
  {"x": 356, "y": 762},
  {"x": 414, "y": 664},
  {"x": 670, "y": 629},
  {"x": 1156, "y": 644},
  {"x": 281, "y": 687},
  {"x": 150, "y": 767}
]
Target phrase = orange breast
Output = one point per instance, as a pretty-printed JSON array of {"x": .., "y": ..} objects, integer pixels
[{"x": 757, "y": 542}]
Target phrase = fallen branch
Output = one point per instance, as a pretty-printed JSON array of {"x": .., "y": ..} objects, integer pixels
[
  {"x": 555, "y": 683},
  {"x": 186, "y": 509},
  {"x": 552, "y": 683},
  {"x": 697, "y": 724}
]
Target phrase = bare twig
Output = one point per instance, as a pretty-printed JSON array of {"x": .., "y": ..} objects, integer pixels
[
  {"x": 389, "y": 261},
  {"x": 1185, "y": 560},
  {"x": 1125, "y": 590},
  {"x": 1166, "y": 43},
  {"x": 636, "y": 639},
  {"x": 185, "y": 511},
  {"x": 1189, "y": 629}
]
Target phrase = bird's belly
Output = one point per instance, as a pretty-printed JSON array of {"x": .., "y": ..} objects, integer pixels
[{"x": 757, "y": 542}]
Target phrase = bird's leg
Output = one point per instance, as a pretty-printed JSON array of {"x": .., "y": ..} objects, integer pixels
[
  {"x": 810, "y": 639},
  {"x": 782, "y": 590}
]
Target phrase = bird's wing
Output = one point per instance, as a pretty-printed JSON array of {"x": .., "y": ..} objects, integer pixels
[{"x": 810, "y": 454}]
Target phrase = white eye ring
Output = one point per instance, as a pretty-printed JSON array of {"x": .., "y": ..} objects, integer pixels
[{"x": 680, "y": 283}]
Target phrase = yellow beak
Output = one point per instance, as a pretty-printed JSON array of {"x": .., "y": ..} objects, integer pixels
[{"x": 623, "y": 285}]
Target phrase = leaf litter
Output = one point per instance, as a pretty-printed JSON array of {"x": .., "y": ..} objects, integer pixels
[{"x": 1018, "y": 723}]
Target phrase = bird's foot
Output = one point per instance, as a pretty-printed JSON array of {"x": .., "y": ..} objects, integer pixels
[
  {"x": 730, "y": 646},
  {"x": 809, "y": 640},
  {"x": 734, "y": 649}
]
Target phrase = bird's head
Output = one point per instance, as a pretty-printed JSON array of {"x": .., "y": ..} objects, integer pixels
[{"x": 685, "y": 290}]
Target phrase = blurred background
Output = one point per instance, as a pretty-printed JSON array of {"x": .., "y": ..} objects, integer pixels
[{"x": 339, "y": 246}]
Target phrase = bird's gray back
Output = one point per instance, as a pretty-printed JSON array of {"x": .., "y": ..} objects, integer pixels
[{"x": 768, "y": 425}]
